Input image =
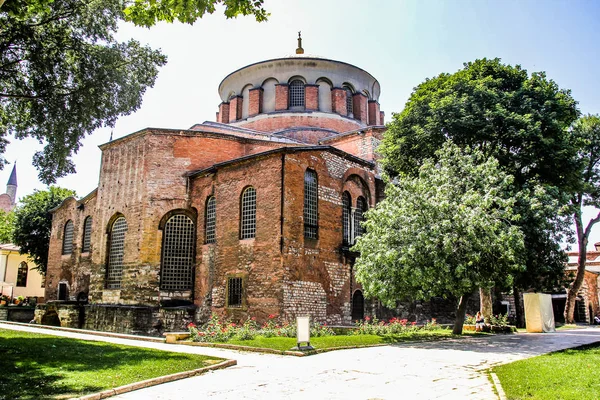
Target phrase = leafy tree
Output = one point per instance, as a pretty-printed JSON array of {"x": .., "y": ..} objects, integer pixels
[
  {"x": 7, "y": 226},
  {"x": 523, "y": 121},
  {"x": 63, "y": 75},
  {"x": 149, "y": 12},
  {"x": 445, "y": 232},
  {"x": 587, "y": 134},
  {"x": 33, "y": 223}
]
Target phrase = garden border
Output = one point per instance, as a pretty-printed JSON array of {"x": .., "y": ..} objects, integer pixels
[{"x": 155, "y": 381}]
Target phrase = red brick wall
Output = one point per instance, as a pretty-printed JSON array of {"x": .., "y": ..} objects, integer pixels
[
  {"x": 289, "y": 120},
  {"x": 362, "y": 144},
  {"x": 374, "y": 112},
  {"x": 74, "y": 268},
  {"x": 311, "y": 97},
  {"x": 338, "y": 101},
  {"x": 257, "y": 259},
  {"x": 235, "y": 108},
  {"x": 381, "y": 118},
  {"x": 223, "y": 115},
  {"x": 359, "y": 105},
  {"x": 281, "y": 96},
  {"x": 255, "y": 101}
]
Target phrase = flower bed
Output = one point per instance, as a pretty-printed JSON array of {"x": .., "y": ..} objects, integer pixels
[{"x": 219, "y": 331}]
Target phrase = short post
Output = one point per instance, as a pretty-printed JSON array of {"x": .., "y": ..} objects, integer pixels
[{"x": 303, "y": 333}]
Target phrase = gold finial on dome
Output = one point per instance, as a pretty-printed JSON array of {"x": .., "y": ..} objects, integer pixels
[{"x": 300, "y": 50}]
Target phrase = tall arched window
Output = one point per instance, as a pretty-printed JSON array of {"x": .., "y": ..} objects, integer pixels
[
  {"x": 296, "y": 93},
  {"x": 361, "y": 207},
  {"x": 22, "y": 274},
  {"x": 87, "y": 235},
  {"x": 67, "y": 247},
  {"x": 177, "y": 262},
  {"x": 311, "y": 197},
  {"x": 349, "y": 101},
  {"x": 346, "y": 213},
  {"x": 116, "y": 250},
  {"x": 248, "y": 214},
  {"x": 210, "y": 219}
]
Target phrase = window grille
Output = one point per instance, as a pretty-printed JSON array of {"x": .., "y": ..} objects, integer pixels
[
  {"x": 359, "y": 217},
  {"x": 346, "y": 212},
  {"x": 235, "y": 291},
  {"x": 211, "y": 220},
  {"x": 310, "y": 204},
  {"x": 296, "y": 93},
  {"x": 177, "y": 254},
  {"x": 248, "y": 222},
  {"x": 349, "y": 101},
  {"x": 67, "y": 247},
  {"x": 87, "y": 235},
  {"x": 114, "y": 270},
  {"x": 22, "y": 274}
]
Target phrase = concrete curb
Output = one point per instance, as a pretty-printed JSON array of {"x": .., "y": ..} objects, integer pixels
[
  {"x": 88, "y": 332},
  {"x": 155, "y": 381},
  {"x": 498, "y": 386}
]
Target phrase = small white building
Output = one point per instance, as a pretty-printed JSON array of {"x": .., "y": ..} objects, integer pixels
[{"x": 17, "y": 274}]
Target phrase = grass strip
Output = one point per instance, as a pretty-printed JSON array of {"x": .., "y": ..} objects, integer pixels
[
  {"x": 345, "y": 341},
  {"x": 36, "y": 366},
  {"x": 567, "y": 374}
]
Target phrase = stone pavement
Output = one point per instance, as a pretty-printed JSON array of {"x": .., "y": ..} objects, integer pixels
[{"x": 450, "y": 369}]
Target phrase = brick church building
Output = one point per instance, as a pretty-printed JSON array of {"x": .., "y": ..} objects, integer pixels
[{"x": 251, "y": 215}]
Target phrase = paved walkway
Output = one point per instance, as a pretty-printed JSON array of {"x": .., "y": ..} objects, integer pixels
[{"x": 451, "y": 369}]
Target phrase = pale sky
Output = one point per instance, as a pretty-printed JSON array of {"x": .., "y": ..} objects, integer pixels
[{"x": 399, "y": 42}]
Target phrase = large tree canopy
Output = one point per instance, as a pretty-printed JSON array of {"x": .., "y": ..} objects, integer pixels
[
  {"x": 149, "y": 12},
  {"x": 443, "y": 233},
  {"x": 33, "y": 223},
  {"x": 63, "y": 75},
  {"x": 586, "y": 132},
  {"x": 520, "y": 119}
]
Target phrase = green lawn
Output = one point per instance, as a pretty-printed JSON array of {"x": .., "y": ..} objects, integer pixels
[
  {"x": 35, "y": 366},
  {"x": 568, "y": 374},
  {"x": 332, "y": 342}
]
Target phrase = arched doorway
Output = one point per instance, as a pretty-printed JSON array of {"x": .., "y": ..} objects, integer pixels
[{"x": 358, "y": 306}]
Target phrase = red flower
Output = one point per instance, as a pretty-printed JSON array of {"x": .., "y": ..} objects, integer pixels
[
  {"x": 271, "y": 316},
  {"x": 253, "y": 318},
  {"x": 413, "y": 323},
  {"x": 191, "y": 325},
  {"x": 367, "y": 318}
]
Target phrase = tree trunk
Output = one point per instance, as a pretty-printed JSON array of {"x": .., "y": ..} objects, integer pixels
[
  {"x": 582, "y": 241},
  {"x": 519, "y": 311},
  {"x": 460, "y": 314},
  {"x": 485, "y": 302}
]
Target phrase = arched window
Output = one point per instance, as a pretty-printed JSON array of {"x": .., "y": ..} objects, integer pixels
[
  {"x": 67, "y": 247},
  {"x": 177, "y": 262},
  {"x": 87, "y": 235},
  {"x": 311, "y": 197},
  {"x": 116, "y": 250},
  {"x": 349, "y": 101},
  {"x": 361, "y": 207},
  {"x": 248, "y": 214},
  {"x": 210, "y": 220},
  {"x": 22, "y": 274},
  {"x": 346, "y": 213},
  {"x": 296, "y": 93}
]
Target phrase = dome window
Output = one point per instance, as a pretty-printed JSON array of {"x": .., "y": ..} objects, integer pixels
[{"x": 296, "y": 93}]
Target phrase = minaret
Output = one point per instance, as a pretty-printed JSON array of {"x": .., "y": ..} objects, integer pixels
[
  {"x": 11, "y": 186},
  {"x": 299, "y": 50}
]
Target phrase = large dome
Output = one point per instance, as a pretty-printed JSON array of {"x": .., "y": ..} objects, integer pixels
[{"x": 298, "y": 92}]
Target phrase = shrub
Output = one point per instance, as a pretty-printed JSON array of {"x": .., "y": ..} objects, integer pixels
[
  {"x": 217, "y": 330},
  {"x": 373, "y": 326}
]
